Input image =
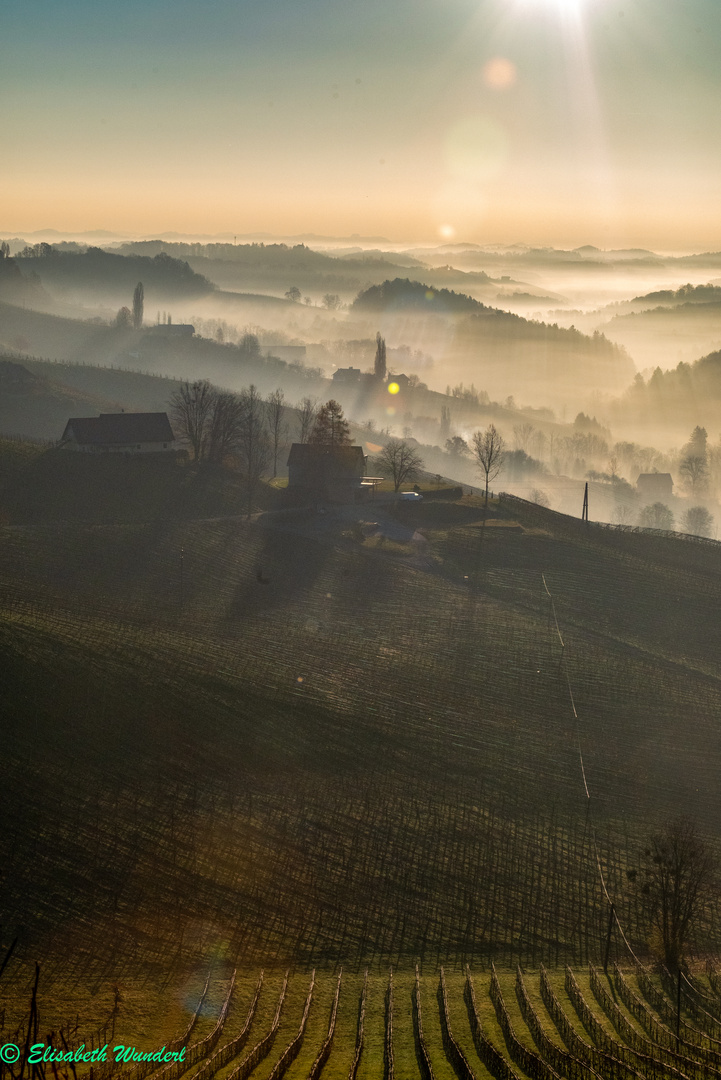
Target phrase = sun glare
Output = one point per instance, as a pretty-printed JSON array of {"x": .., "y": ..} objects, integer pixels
[{"x": 561, "y": 7}]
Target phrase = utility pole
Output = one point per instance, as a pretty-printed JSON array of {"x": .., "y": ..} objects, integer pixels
[{"x": 584, "y": 512}]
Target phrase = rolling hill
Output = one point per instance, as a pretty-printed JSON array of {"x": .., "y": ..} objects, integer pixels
[
  {"x": 101, "y": 277},
  {"x": 499, "y": 350},
  {"x": 669, "y": 332},
  {"x": 368, "y": 756},
  {"x": 672, "y": 402},
  {"x": 276, "y": 267},
  {"x": 153, "y": 359}
]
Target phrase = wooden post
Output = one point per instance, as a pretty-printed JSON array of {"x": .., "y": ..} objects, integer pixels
[
  {"x": 611, "y": 917},
  {"x": 181, "y": 580},
  {"x": 678, "y": 1009},
  {"x": 584, "y": 512}
]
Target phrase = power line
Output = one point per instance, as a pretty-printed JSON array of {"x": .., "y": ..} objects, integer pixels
[{"x": 564, "y": 664}]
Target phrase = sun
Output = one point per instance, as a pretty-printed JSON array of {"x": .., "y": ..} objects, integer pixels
[
  {"x": 561, "y": 7},
  {"x": 567, "y": 12}
]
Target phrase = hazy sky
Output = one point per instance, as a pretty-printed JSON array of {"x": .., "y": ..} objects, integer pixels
[{"x": 544, "y": 121}]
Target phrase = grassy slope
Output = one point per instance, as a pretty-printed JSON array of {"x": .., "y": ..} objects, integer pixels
[
  {"x": 32, "y": 334},
  {"x": 172, "y": 790},
  {"x": 151, "y": 1016}
]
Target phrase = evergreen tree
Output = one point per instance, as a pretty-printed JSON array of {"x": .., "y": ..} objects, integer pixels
[
  {"x": 331, "y": 427},
  {"x": 379, "y": 368},
  {"x": 445, "y": 421},
  {"x": 138, "y": 300}
]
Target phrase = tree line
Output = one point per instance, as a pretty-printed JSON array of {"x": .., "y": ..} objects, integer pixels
[
  {"x": 218, "y": 425},
  {"x": 248, "y": 429}
]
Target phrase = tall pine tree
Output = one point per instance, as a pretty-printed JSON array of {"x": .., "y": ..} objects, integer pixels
[
  {"x": 379, "y": 368},
  {"x": 138, "y": 303},
  {"x": 331, "y": 427}
]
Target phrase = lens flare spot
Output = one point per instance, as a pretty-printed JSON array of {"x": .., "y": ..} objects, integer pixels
[
  {"x": 500, "y": 73},
  {"x": 390, "y": 411},
  {"x": 466, "y": 202}
]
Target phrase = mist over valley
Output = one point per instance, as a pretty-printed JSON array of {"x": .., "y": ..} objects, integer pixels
[{"x": 360, "y": 496}]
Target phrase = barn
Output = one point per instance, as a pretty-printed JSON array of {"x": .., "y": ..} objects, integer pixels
[
  {"x": 319, "y": 473},
  {"x": 119, "y": 433}
]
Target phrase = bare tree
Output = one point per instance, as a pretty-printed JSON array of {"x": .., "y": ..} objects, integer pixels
[
  {"x": 253, "y": 443},
  {"x": 676, "y": 882},
  {"x": 538, "y": 444},
  {"x": 522, "y": 434},
  {"x": 488, "y": 449},
  {"x": 190, "y": 411},
  {"x": 694, "y": 472},
  {"x": 623, "y": 514},
  {"x": 539, "y": 497},
  {"x": 331, "y": 301},
  {"x": 224, "y": 426},
  {"x": 400, "y": 460},
  {"x": 277, "y": 427},
  {"x": 249, "y": 345},
  {"x": 697, "y": 520},
  {"x": 138, "y": 305},
  {"x": 656, "y": 516},
  {"x": 307, "y": 410}
]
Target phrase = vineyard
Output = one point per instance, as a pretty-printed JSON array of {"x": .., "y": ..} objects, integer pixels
[
  {"x": 580, "y": 1024},
  {"x": 268, "y": 743}
]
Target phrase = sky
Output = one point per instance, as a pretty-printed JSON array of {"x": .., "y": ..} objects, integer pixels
[{"x": 562, "y": 122}]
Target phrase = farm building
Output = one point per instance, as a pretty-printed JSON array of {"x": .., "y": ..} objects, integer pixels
[
  {"x": 172, "y": 330},
  {"x": 346, "y": 375},
  {"x": 119, "y": 433},
  {"x": 655, "y": 486},
  {"x": 292, "y": 354},
  {"x": 328, "y": 473}
]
